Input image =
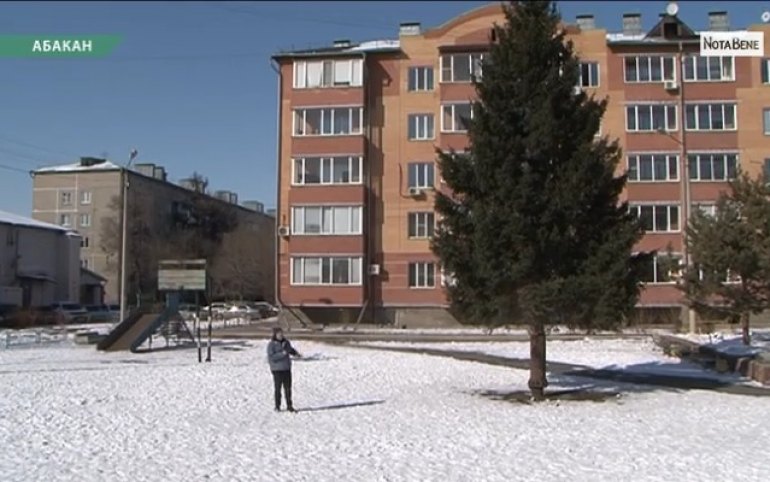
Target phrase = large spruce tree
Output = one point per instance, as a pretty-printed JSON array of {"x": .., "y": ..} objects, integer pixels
[{"x": 534, "y": 229}]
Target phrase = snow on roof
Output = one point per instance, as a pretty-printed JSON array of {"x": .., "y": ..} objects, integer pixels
[
  {"x": 77, "y": 166},
  {"x": 16, "y": 220},
  {"x": 373, "y": 45},
  {"x": 642, "y": 37},
  {"x": 368, "y": 46}
]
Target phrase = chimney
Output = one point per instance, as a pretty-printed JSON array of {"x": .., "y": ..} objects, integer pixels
[
  {"x": 586, "y": 22},
  {"x": 718, "y": 21},
  {"x": 342, "y": 43},
  {"x": 409, "y": 28},
  {"x": 632, "y": 23}
]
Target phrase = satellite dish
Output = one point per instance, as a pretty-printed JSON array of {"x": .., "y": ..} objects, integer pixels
[
  {"x": 766, "y": 17},
  {"x": 672, "y": 9}
]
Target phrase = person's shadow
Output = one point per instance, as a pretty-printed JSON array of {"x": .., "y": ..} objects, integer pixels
[{"x": 341, "y": 406}]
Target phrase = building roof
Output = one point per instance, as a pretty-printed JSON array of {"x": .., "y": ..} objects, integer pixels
[
  {"x": 351, "y": 49},
  {"x": 16, "y": 220},
  {"x": 78, "y": 167}
]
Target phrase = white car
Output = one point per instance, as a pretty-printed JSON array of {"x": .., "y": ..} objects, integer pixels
[{"x": 243, "y": 311}]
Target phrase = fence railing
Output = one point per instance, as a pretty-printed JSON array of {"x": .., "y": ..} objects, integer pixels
[{"x": 10, "y": 339}]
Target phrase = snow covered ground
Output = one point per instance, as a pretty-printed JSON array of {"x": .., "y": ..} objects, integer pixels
[
  {"x": 730, "y": 342},
  {"x": 72, "y": 413}
]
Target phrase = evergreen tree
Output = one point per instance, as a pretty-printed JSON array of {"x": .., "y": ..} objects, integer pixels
[
  {"x": 730, "y": 253},
  {"x": 533, "y": 229}
]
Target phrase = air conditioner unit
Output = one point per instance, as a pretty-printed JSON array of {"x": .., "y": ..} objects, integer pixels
[
  {"x": 415, "y": 191},
  {"x": 283, "y": 231},
  {"x": 671, "y": 85},
  {"x": 374, "y": 269}
]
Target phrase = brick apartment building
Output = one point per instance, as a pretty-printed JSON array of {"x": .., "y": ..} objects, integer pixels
[
  {"x": 79, "y": 196},
  {"x": 359, "y": 124}
]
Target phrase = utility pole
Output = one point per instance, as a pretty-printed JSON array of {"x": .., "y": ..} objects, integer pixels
[{"x": 124, "y": 231}]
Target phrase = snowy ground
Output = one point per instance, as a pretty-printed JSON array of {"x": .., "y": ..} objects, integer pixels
[
  {"x": 72, "y": 413},
  {"x": 730, "y": 342}
]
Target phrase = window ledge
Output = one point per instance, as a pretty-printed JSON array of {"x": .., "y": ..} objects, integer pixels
[
  {"x": 315, "y": 136},
  {"x": 344, "y": 184},
  {"x": 422, "y": 288},
  {"x": 326, "y": 285}
]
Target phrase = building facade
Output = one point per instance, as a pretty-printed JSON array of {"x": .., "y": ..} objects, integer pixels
[
  {"x": 39, "y": 263},
  {"x": 87, "y": 195},
  {"x": 359, "y": 125}
]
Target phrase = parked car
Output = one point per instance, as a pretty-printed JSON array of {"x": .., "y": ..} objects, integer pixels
[
  {"x": 266, "y": 310},
  {"x": 70, "y": 312},
  {"x": 217, "y": 308},
  {"x": 103, "y": 313},
  {"x": 243, "y": 310},
  {"x": 187, "y": 311}
]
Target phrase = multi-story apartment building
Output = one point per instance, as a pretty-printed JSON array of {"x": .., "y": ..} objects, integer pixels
[
  {"x": 359, "y": 125},
  {"x": 84, "y": 195}
]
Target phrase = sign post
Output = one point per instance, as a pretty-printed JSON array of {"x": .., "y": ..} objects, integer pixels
[{"x": 179, "y": 275}]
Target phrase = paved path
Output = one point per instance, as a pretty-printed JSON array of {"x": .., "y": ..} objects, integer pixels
[{"x": 567, "y": 369}]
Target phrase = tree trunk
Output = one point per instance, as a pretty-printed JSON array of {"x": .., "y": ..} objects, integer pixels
[
  {"x": 537, "y": 379},
  {"x": 745, "y": 328}
]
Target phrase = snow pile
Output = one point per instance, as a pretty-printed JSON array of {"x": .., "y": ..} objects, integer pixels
[
  {"x": 78, "y": 414},
  {"x": 730, "y": 342}
]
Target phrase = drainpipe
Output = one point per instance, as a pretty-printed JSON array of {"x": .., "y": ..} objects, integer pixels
[
  {"x": 277, "y": 288},
  {"x": 369, "y": 245}
]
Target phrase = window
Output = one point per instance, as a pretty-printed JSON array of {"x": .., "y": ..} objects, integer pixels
[
  {"x": 448, "y": 279},
  {"x": 653, "y": 167},
  {"x": 766, "y": 121},
  {"x": 85, "y": 197},
  {"x": 708, "y": 69},
  {"x": 645, "y": 68},
  {"x": 326, "y": 271},
  {"x": 456, "y": 117},
  {"x": 461, "y": 67},
  {"x": 66, "y": 199},
  {"x": 658, "y": 218},
  {"x": 765, "y": 66},
  {"x": 710, "y": 117},
  {"x": 84, "y": 263},
  {"x": 84, "y": 242},
  {"x": 421, "y": 225},
  {"x": 337, "y": 220},
  {"x": 420, "y": 127},
  {"x": 658, "y": 267},
  {"x": 328, "y": 73},
  {"x": 650, "y": 117},
  {"x": 420, "y": 79},
  {"x": 421, "y": 174},
  {"x": 85, "y": 220},
  {"x": 709, "y": 209},
  {"x": 422, "y": 275},
  {"x": 589, "y": 74},
  {"x": 327, "y": 170},
  {"x": 766, "y": 170},
  {"x": 336, "y": 121},
  {"x": 712, "y": 167},
  {"x": 65, "y": 220}
]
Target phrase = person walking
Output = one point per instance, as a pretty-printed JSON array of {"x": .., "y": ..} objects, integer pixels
[{"x": 279, "y": 353}]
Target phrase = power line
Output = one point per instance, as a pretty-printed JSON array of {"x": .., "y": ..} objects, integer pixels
[
  {"x": 15, "y": 169},
  {"x": 25, "y": 158},
  {"x": 33, "y": 146}
]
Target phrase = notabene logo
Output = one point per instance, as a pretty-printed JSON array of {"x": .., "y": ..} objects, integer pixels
[{"x": 732, "y": 44}]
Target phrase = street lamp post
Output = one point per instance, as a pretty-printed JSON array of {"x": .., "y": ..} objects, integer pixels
[
  {"x": 684, "y": 175},
  {"x": 124, "y": 231}
]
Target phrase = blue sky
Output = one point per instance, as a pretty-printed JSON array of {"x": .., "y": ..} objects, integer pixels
[{"x": 190, "y": 86}]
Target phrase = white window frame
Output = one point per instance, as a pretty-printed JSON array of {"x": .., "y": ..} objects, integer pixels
[
  {"x": 329, "y": 68},
  {"x": 327, "y": 216},
  {"x": 634, "y": 163},
  {"x": 476, "y": 59},
  {"x": 84, "y": 220},
  {"x": 712, "y": 108},
  {"x": 65, "y": 198},
  {"x": 766, "y": 121},
  {"x": 328, "y": 115},
  {"x": 641, "y": 109},
  {"x": 593, "y": 80},
  {"x": 424, "y": 121},
  {"x": 423, "y": 81},
  {"x": 86, "y": 197},
  {"x": 447, "y": 279},
  {"x": 327, "y": 165},
  {"x": 65, "y": 220},
  {"x": 695, "y": 174},
  {"x": 421, "y": 225},
  {"x": 707, "y": 208},
  {"x": 424, "y": 170},
  {"x": 657, "y": 269},
  {"x": 85, "y": 243},
  {"x": 764, "y": 74},
  {"x": 649, "y": 59},
  {"x": 456, "y": 126},
  {"x": 355, "y": 270},
  {"x": 421, "y": 280},
  {"x": 695, "y": 59},
  {"x": 669, "y": 208}
]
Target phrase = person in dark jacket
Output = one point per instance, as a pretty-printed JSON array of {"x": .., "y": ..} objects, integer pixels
[{"x": 279, "y": 353}]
